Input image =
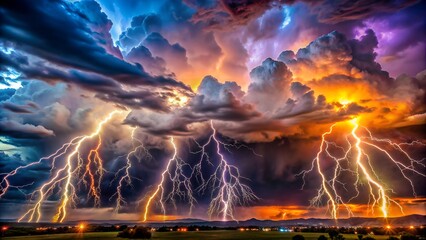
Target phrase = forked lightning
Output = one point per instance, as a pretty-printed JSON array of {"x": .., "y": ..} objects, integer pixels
[{"x": 357, "y": 161}]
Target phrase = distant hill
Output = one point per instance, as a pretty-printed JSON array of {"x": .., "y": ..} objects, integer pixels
[{"x": 354, "y": 221}]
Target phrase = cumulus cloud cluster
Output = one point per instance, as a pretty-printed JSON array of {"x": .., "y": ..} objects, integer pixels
[
  {"x": 324, "y": 82},
  {"x": 223, "y": 13},
  {"x": 79, "y": 52},
  {"x": 284, "y": 96}
]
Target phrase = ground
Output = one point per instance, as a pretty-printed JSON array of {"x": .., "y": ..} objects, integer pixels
[{"x": 204, "y": 235}]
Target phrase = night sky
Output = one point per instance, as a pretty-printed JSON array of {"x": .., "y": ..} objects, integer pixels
[{"x": 270, "y": 77}]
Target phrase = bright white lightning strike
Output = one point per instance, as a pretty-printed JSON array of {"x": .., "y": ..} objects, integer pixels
[
  {"x": 227, "y": 190},
  {"x": 5, "y": 183},
  {"x": 126, "y": 178},
  {"x": 64, "y": 177},
  {"x": 356, "y": 161},
  {"x": 225, "y": 184},
  {"x": 181, "y": 184}
]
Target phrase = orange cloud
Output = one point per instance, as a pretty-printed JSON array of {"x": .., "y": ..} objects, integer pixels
[{"x": 285, "y": 212}]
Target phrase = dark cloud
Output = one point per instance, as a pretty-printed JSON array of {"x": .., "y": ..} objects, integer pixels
[
  {"x": 99, "y": 24},
  {"x": 330, "y": 11},
  {"x": 107, "y": 88},
  {"x": 213, "y": 100},
  {"x": 269, "y": 85},
  {"x": 235, "y": 57},
  {"x": 230, "y": 13},
  {"x": 333, "y": 55},
  {"x": 140, "y": 27},
  {"x": 286, "y": 56},
  {"x": 327, "y": 49},
  {"x": 18, "y": 130},
  {"x": 6, "y": 93},
  {"x": 401, "y": 39},
  {"x": 73, "y": 45},
  {"x": 142, "y": 55},
  {"x": 23, "y": 120},
  {"x": 355, "y": 109},
  {"x": 137, "y": 99},
  {"x": 363, "y": 52},
  {"x": 225, "y": 13},
  {"x": 412, "y": 90},
  {"x": 16, "y": 108},
  {"x": 275, "y": 103},
  {"x": 221, "y": 101},
  {"x": 268, "y": 25},
  {"x": 304, "y": 103},
  {"x": 174, "y": 54},
  {"x": 160, "y": 124},
  {"x": 298, "y": 89},
  {"x": 168, "y": 34},
  {"x": 13, "y": 60}
]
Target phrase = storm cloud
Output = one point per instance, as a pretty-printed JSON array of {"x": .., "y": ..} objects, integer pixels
[{"x": 270, "y": 76}]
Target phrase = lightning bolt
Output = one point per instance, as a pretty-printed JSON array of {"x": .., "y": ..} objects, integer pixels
[
  {"x": 227, "y": 190},
  {"x": 94, "y": 158},
  {"x": 181, "y": 184},
  {"x": 62, "y": 211},
  {"x": 5, "y": 182},
  {"x": 126, "y": 178},
  {"x": 356, "y": 160},
  {"x": 64, "y": 176}
]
